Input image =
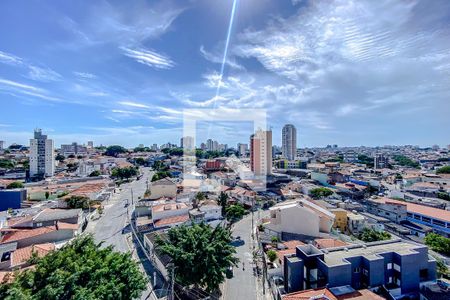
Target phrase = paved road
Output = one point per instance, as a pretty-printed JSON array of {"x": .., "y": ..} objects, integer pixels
[
  {"x": 109, "y": 227},
  {"x": 243, "y": 283}
]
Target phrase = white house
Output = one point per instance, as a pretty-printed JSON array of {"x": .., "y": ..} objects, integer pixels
[{"x": 300, "y": 217}]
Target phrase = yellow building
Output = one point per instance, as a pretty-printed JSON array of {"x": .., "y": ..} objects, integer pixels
[{"x": 340, "y": 220}]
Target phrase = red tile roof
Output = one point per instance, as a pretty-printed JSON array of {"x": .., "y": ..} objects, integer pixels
[
  {"x": 432, "y": 212},
  {"x": 318, "y": 294},
  {"x": 22, "y": 255},
  {"x": 328, "y": 243},
  {"x": 171, "y": 220},
  {"x": 26, "y": 233}
]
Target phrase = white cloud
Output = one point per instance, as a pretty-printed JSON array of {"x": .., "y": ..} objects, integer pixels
[
  {"x": 134, "y": 104},
  {"x": 218, "y": 58},
  {"x": 43, "y": 74},
  {"x": 85, "y": 75},
  {"x": 26, "y": 89},
  {"x": 149, "y": 58},
  {"x": 10, "y": 59}
]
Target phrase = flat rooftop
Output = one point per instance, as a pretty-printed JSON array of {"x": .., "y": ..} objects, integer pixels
[{"x": 371, "y": 252}]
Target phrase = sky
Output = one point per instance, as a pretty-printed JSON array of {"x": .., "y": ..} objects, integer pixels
[{"x": 123, "y": 72}]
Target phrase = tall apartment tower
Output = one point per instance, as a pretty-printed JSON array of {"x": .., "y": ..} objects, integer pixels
[
  {"x": 261, "y": 152},
  {"x": 2, "y": 145},
  {"x": 42, "y": 155},
  {"x": 289, "y": 141},
  {"x": 187, "y": 142}
]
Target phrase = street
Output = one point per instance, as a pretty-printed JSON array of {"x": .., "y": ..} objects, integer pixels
[
  {"x": 108, "y": 228},
  {"x": 243, "y": 284}
]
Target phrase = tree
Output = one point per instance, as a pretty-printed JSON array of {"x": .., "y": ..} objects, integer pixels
[
  {"x": 6, "y": 164},
  {"x": 115, "y": 150},
  {"x": 272, "y": 255},
  {"x": 95, "y": 173},
  {"x": 78, "y": 202},
  {"x": 160, "y": 175},
  {"x": 72, "y": 167},
  {"x": 443, "y": 196},
  {"x": 370, "y": 235},
  {"x": 126, "y": 172},
  {"x": 223, "y": 201},
  {"x": 235, "y": 212},
  {"x": 441, "y": 268},
  {"x": 15, "y": 185},
  {"x": 320, "y": 192},
  {"x": 140, "y": 161},
  {"x": 438, "y": 243},
  {"x": 59, "y": 157},
  {"x": 81, "y": 269},
  {"x": 201, "y": 254},
  {"x": 443, "y": 170},
  {"x": 47, "y": 194},
  {"x": 406, "y": 161}
]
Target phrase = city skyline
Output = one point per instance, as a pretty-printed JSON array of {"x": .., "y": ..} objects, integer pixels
[{"x": 83, "y": 77}]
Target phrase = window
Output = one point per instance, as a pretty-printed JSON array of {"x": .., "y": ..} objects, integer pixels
[
  {"x": 365, "y": 272},
  {"x": 438, "y": 223},
  {"x": 389, "y": 266},
  {"x": 356, "y": 270},
  {"x": 426, "y": 220},
  {"x": 390, "y": 279},
  {"x": 38, "y": 224},
  {"x": 416, "y": 217},
  {"x": 397, "y": 268}
]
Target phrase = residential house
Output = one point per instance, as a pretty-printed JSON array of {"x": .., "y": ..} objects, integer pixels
[
  {"x": 300, "y": 217},
  {"x": 170, "y": 214},
  {"x": 355, "y": 222},
  {"x": 399, "y": 266},
  {"x": 340, "y": 219}
]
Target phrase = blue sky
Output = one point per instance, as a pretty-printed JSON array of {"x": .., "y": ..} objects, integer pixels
[{"x": 343, "y": 72}]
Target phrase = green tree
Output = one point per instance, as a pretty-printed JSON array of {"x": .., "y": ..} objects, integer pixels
[
  {"x": 441, "y": 268},
  {"x": 72, "y": 167},
  {"x": 115, "y": 150},
  {"x": 124, "y": 173},
  {"x": 78, "y": 202},
  {"x": 223, "y": 201},
  {"x": 443, "y": 170},
  {"x": 160, "y": 175},
  {"x": 95, "y": 173},
  {"x": 406, "y": 161},
  {"x": 81, "y": 269},
  {"x": 201, "y": 254},
  {"x": 272, "y": 255},
  {"x": 321, "y": 192},
  {"x": 47, "y": 194},
  {"x": 140, "y": 161},
  {"x": 6, "y": 164},
  {"x": 438, "y": 243},
  {"x": 443, "y": 196},
  {"x": 370, "y": 235},
  {"x": 15, "y": 185},
  {"x": 235, "y": 212}
]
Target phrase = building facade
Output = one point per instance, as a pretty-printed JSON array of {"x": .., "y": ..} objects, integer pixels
[
  {"x": 187, "y": 143},
  {"x": 73, "y": 149},
  {"x": 261, "y": 153},
  {"x": 289, "y": 141},
  {"x": 399, "y": 266},
  {"x": 42, "y": 155}
]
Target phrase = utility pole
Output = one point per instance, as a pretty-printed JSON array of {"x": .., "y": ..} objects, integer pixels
[{"x": 131, "y": 196}]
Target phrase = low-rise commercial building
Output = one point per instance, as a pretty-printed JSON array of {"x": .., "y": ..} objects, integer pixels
[{"x": 401, "y": 267}]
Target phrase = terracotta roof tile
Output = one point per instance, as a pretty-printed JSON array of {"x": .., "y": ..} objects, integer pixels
[
  {"x": 22, "y": 255},
  {"x": 171, "y": 220}
]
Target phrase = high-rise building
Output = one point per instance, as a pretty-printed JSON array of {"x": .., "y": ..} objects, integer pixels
[
  {"x": 155, "y": 147},
  {"x": 289, "y": 141},
  {"x": 42, "y": 155},
  {"x": 242, "y": 148},
  {"x": 2, "y": 144},
  {"x": 380, "y": 161},
  {"x": 203, "y": 146},
  {"x": 73, "y": 149},
  {"x": 261, "y": 152},
  {"x": 209, "y": 144},
  {"x": 90, "y": 144},
  {"x": 187, "y": 142}
]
